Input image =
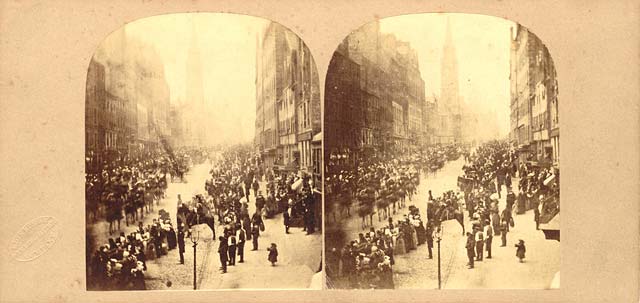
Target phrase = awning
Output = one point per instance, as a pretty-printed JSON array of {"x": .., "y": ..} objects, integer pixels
[
  {"x": 551, "y": 230},
  {"x": 523, "y": 147},
  {"x": 317, "y": 137}
]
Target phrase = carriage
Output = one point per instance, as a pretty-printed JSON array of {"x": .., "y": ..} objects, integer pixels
[{"x": 465, "y": 184}]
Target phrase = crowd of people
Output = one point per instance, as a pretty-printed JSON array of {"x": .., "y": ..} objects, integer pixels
[
  {"x": 123, "y": 186},
  {"x": 126, "y": 187},
  {"x": 121, "y": 263},
  {"x": 539, "y": 190},
  {"x": 490, "y": 167},
  {"x": 380, "y": 184},
  {"x": 235, "y": 177},
  {"x": 367, "y": 262},
  {"x": 375, "y": 185},
  {"x": 382, "y": 187}
]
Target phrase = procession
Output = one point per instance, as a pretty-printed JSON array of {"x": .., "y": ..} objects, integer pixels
[
  {"x": 418, "y": 187},
  {"x": 184, "y": 191}
]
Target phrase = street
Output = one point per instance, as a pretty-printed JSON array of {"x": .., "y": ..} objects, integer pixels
[
  {"x": 298, "y": 260},
  {"x": 415, "y": 270}
]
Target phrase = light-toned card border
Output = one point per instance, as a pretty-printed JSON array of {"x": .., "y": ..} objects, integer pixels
[{"x": 45, "y": 49}]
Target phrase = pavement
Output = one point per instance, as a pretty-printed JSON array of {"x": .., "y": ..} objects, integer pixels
[{"x": 298, "y": 260}]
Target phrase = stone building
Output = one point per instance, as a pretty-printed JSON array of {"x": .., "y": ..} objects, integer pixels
[
  {"x": 375, "y": 89},
  {"x": 534, "y": 99},
  {"x": 287, "y": 102},
  {"x": 127, "y": 100}
]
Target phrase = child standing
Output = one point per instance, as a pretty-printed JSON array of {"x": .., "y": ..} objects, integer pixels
[
  {"x": 521, "y": 249},
  {"x": 273, "y": 254}
]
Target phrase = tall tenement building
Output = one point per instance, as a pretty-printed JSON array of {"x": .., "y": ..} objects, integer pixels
[
  {"x": 534, "y": 99},
  {"x": 288, "y": 110},
  {"x": 374, "y": 98},
  {"x": 127, "y": 100}
]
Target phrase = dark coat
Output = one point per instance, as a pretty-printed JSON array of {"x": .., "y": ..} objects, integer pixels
[
  {"x": 242, "y": 236},
  {"x": 521, "y": 250},
  {"x": 255, "y": 231},
  {"x": 223, "y": 250},
  {"x": 181, "y": 241},
  {"x": 471, "y": 245},
  {"x": 429, "y": 234},
  {"x": 285, "y": 215},
  {"x": 273, "y": 254}
]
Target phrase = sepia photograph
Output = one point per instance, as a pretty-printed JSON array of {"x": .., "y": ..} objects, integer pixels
[
  {"x": 319, "y": 151},
  {"x": 442, "y": 156},
  {"x": 203, "y": 157}
]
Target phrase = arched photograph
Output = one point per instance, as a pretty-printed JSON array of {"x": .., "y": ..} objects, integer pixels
[
  {"x": 442, "y": 157},
  {"x": 203, "y": 157}
]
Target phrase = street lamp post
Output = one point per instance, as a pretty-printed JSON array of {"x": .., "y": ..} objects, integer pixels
[
  {"x": 194, "y": 236},
  {"x": 438, "y": 238}
]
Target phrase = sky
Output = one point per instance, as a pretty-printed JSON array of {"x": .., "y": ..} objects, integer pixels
[
  {"x": 482, "y": 47},
  {"x": 227, "y": 45}
]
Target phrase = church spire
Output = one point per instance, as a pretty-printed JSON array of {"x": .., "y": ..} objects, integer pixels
[
  {"x": 449, "y": 72},
  {"x": 449, "y": 90}
]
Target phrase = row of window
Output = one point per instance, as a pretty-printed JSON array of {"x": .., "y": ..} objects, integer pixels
[
  {"x": 540, "y": 122},
  {"x": 286, "y": 126},
  {"x": 303, "y": 116}
]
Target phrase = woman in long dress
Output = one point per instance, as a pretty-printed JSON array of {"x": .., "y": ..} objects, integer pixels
[
  {"x": 414, "y": 237},
  {"x": 400, "y": 247}
]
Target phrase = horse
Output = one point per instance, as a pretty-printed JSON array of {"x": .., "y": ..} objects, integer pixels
[
  {"x": 201, "y": 215},
  {"x": 345, "y": 204},
  {"x": 445, "y": 213},
  {"x": 402, "y": 194},
  {"x": 130, "y": 210},
  {"x": 365, "y": 210},
  {"x": 382, "y": 204},
  {"x": 410, "y": 188},
  {"x": 139, "y": 204},
  {"x": 114, "y": 212},
  {"x": 148, "y": 201},
  {"x": 92, "y": 204}
]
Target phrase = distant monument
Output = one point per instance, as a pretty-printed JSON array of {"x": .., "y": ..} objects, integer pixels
[{"x": 449, "y": 108}]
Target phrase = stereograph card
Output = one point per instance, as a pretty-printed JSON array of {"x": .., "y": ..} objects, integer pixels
[{"x": 262, "y": 151}]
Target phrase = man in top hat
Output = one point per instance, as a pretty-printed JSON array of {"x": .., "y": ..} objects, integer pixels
[
  {"x": 260, "y": 202},
  {"x": 504, "y": 228},
  {"x": 232, "y": 247},
  {"x": 430, "y": 239},
  {"x": 223, "y": 248},
  {"x": 181, "y": 243},
  {"x": 255, "y": 186},
  {"x": 470, "y": 246},
  {"x": 488, "y": 232},
  {"x": 287, "y": 216},
  {"x": 242, "y": 237},
  {"x": 255, "y": 233},
  {"x": 479, "y": 240}
]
